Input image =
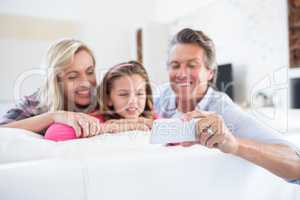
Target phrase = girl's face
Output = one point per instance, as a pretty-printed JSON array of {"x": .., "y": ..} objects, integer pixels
[
  {"x": 79, "y": 80},
  {"x": 128, "y": 96}
]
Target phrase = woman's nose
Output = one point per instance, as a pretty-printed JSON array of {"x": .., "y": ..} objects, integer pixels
[
  {"x": 85, "y": 80},
  {"x": 84, "y": 83}
]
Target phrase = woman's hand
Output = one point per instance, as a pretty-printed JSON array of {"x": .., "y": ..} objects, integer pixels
[
  {"x": 212, "y": 132},
  {"x": 83, "y": 124}
]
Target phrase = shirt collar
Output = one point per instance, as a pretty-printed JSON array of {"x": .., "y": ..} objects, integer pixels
[{"x": 202, "y": 105}]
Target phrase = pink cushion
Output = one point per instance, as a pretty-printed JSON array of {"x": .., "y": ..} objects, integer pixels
[{"x": 60, "y": 132}]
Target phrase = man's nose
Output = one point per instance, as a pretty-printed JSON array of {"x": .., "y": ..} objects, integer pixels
[{"x": 182, "y": 73}]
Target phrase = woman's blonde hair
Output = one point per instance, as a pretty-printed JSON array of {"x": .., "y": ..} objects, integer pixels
[
  {"x": 59, "y": 56},
  {"x": 123, "y": 69}
]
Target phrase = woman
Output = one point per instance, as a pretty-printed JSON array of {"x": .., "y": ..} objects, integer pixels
[
  {"x": 69, "y": 89},
  {"x": 222, "y": 124}
]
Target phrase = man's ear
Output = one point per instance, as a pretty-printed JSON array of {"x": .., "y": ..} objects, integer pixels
[{"x": 210, "y": 74}]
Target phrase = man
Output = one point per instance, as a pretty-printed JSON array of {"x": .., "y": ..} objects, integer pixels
[{"x": 222, "y": 125}]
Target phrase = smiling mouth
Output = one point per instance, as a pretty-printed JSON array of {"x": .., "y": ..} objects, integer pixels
[
  {"x": 131, "y": 109},
  {"x": 83, "y": 93},
  {"x": 185, "y": 84}
]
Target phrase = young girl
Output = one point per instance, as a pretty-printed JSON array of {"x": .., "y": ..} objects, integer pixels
[{"x": 125, "y": 101}]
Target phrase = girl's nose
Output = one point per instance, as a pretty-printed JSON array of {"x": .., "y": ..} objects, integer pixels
[{"x": 133, "y": 100}]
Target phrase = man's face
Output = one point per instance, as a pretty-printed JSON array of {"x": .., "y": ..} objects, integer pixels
[{"x": 188, "y": 74}]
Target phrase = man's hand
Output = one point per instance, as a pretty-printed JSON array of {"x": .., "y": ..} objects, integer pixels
[{"x": 212, "y": 132}]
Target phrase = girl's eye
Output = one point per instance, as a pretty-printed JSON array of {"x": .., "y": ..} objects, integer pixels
[{"x": 123, "y": 94}]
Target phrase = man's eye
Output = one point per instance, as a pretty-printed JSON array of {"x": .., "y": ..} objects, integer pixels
[
  {"x": 192, "y": 66},
  {"x": 174, "y": 66},
  {"x": 72, "y": 77}
]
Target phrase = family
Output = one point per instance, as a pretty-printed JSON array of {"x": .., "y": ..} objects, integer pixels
[{"x": 71, "y": 105}]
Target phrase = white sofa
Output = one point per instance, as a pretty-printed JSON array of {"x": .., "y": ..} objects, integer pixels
[{"x": 126, "y": 166}]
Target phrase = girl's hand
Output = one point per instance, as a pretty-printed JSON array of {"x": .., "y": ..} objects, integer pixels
[
  {"x": 113, "y": 127},
  {"x": 121, "y": 125},
  {"x": 83, "y": 124},
  {"x": 143, "y": 120}
]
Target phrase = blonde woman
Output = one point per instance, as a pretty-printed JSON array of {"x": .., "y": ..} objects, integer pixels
[{"x": 68, "y": 93}]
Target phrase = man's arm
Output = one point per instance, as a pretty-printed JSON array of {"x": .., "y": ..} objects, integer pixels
[
  {"x": 276, "y": 156},
  {"x": 280, "y": 159}
]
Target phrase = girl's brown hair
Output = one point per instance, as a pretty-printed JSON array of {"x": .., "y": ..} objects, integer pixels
[{"x": 123, "y": 69}]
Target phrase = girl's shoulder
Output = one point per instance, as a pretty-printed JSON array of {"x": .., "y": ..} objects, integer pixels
[
  {"x": 99, "y": 116},
  {"x": 155, "y": 116}
]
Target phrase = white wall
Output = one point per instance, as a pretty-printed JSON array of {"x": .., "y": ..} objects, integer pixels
[
  {"x": 252, "y": 35},
  {"x": 108, "y": 27},
  {"x": 155, "y": 48}
]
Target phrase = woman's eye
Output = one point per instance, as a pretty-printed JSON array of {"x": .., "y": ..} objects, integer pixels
[
  {"x": 91, "y": 72},
  {"x": 141, "y": 94}
]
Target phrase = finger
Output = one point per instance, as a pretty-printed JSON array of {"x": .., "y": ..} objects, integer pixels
[
  {"x": 204, "y": 137},
  {"x": 187, "y": 144},
  {"x": 80, "y": 117},
  {"x": 85, "y": 128},
  {"x": 198, "y": 114},
  {"x": 112, "y": 128},
  {"x": 214, "y": 141},
  {"x": 145, "y": 127},
  {"x": 98, "y": 128},
  {"x": 93, "y": 129},
  {"x": 217, "y": 128},
  {"x": 202, "y": 125},
  {"x": 173, "y": 144},
  {"x": 76, "y": 128}
]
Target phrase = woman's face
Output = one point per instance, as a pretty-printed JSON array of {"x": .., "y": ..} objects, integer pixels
[
  {"x": 128, "y": 96},
  {"x": 187, "y": 72},
  {"x": 79, "y": 81}
]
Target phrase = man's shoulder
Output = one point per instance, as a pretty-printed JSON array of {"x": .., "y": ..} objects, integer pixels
[
  {"x": 214, "y": 99},
  {"x": 162, "y": 92}
]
